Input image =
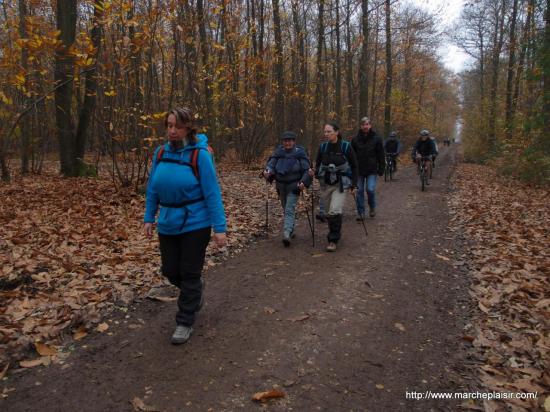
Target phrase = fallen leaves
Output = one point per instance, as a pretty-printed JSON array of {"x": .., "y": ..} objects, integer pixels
[
  {"x": 45, "y": 350},
  {"x": 299, "y": 318},
  {"x": 102, "y": 327},
  {"x": 399, "y": 326},
  {"x": 139, "y": 405},
  {"x": 506, "y": 224},
  {"x": 265, "y": 396},
  {"x": 4, "y": 371},
  {"x": 72, "y": 250},
  {"x": 34, "y": 362}
]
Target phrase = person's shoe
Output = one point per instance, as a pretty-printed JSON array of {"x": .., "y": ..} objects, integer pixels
[
  {"x": 372, "y": 212},
  {"x": 320, "y": 217},
  {"x": 181, "y": 334},
  {"x": 331, "y": 247},
  {"x": 360, "y": 218},
  {"x": 286, "y": 240}
]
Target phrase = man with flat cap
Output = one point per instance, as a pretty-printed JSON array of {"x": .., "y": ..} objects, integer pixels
[{"x": 289, "y": 166}]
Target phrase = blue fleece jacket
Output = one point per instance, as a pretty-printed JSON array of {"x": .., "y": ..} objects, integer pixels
[{"x": 172, "y": 183}]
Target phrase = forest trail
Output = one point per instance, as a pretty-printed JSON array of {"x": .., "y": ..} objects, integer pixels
[{"x": 351, "y": 330}]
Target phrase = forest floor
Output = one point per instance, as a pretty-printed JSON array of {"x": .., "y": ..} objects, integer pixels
[{"x": 407, "y": 309}]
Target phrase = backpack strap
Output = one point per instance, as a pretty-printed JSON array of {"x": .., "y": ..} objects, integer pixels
[
  {"x": 194, "y": 163},
  {"x": 160, "y": 152}
]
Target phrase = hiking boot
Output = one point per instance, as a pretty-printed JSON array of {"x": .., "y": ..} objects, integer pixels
[
  {"x": 360, "y": 218},
  {"x": 372, "y": 212},
  {"x": 286, "y": 240},
  {"x": 331, "y": 247},
  {"x": 181, "y": 334}
]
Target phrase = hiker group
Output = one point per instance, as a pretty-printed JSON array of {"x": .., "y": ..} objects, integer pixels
[
  {"x": 340, "y": 166},
  {"x": 183, "y": 183}
]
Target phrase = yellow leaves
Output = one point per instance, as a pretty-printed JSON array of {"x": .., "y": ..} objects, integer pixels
[
  {"x": 218, "y": 46},
  {"x": 110, "y": 93},
  {"x": 5, "y": 99}
]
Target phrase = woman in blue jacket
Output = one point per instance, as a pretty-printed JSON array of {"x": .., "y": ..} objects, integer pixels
[{"x": 183, "y": 183}]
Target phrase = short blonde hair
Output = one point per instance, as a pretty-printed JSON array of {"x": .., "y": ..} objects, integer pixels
[{"x": 365, "y": 120}]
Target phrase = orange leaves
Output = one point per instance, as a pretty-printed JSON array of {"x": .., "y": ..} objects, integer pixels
[
  {"x": 506, "y": 225},
  {"x": 265, "y": 396},
  {"x": 73, "y": 249}
]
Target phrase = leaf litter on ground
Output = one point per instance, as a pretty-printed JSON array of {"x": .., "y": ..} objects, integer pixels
[
  {"x": 507, "y": 228},
  {"x": 72, "y": 250}
]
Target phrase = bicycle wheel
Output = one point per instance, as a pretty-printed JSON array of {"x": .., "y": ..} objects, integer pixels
[
  {"x": 386, "y": 173},
  {"x": 391, "y": 165},
  {"x": 422, "y": 178}
]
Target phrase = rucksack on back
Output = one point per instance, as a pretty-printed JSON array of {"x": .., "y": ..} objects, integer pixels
[{"x": 193, "y": 164}]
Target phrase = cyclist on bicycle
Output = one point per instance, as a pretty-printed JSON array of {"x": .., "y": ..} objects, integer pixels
[
  {"x": 392, "y": 147},
  {"x": 423, "y": 149}
]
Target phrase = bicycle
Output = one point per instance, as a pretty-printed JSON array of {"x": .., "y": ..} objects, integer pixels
[
  {"x": 390, "y": 166},
  {"x": 424, "y": 165}
]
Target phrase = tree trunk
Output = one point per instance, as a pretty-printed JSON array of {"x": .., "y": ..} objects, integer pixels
[
  {"x": 510, "y": 78},
  {"x": 521, "y": 60},
  {"x": 90, "y": 88},
  {"x": 297, "y": 109},
  {"x": 389, "y": 73},
  {"x": 205, "y": 56},
  {"x": 278, "y": 73},
  {"x": 363, "y": 64},
  {"x": 545, "y": 53},
  {"x": 25, "y": 125},
  {"x": 320, "y": 81},
  {"x": 338, "y": 80},
  {"x": 64, "y": 69},
  {"x": 352, "y": 104},
  {"x": 498, "y": 39}
]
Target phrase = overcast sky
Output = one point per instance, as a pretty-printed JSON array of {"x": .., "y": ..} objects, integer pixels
[{"x": 449, "y": 11}]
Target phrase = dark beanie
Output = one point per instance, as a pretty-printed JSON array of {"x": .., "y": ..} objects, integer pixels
[{"x": 288, "y": 135}]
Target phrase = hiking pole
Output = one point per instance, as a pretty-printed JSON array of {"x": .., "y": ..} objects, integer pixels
[
  {"x": 261, "y": 176},
  {"x": 266, "y": 208},
  {"x": 311, "y": 226},
  {"x": 363, "y": 219},
  {"x": 313, "y": 214}
]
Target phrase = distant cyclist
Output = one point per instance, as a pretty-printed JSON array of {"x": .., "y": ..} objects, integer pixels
[
  {"x": 392, "y": 147},
  {"x": 424, "y": 149}
]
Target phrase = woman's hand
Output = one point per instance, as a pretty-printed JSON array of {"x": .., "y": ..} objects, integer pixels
[
  {"x": 301, "y": 186},
  {"x": 148, "y": 229},
  {"x": 353, "y": 190},
  {"x": 220, "y": 239}
]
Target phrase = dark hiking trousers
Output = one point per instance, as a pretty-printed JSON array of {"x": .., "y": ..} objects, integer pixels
[
  {"x": 182, "y": 260},
  {"x": 334, "y": 228}
]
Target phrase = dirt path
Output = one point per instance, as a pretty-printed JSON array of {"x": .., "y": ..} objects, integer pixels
[{"x": 353, "y": 330}]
